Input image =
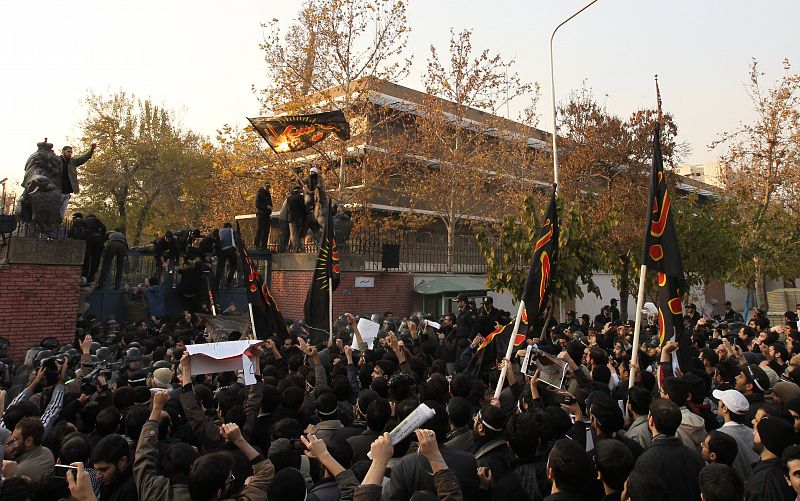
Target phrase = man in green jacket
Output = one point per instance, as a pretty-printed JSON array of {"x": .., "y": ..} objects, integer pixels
[{"x": 68, "y": 180}]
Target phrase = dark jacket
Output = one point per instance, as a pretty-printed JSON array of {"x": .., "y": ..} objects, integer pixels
[
  {"x": 467, "y": 324},
  {"x": 123, "y": 488},
  {"x": 68, "y": 180},
  {"x": 486, "y": 320},
  {"x": 135, "y": 307},
  {"x": 297, "y": 207},
  {"x": 361, "y": 444},
  {"x": 193, "y": 282},
  {"x": 495, "y": 455},
  {"x": 325, "y": 490},
  {"x": 519, "y": 485},
  {"x": 767, "y": 483},
  {"x": 462, "y": 439},
  {"x": 263, "y": 200},
  {"x": 447, "y": 489},
  {"x": 413, "y": 473},
  {"x": 676, "y": 464},
  {"x": 95, "y": 233},
  {"x": 165, "y": 249},
  {"x": 564, "y": 496}
]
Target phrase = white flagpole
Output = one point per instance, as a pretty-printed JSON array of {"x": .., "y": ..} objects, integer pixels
[
  {"x": 330, "y": 309},
  {"x": 252, "y": 321},
  {"x": 510, "y": 349},
  {"x": 638, "y": 325}
]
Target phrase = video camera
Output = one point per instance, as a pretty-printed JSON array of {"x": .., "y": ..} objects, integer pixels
[{"x": 102, "y": 377}]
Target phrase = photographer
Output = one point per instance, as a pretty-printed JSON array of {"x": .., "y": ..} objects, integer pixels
[{"x": 52, "y": 373}]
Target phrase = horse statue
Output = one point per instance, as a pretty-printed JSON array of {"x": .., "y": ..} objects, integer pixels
[{"x": 40, "y": 202}]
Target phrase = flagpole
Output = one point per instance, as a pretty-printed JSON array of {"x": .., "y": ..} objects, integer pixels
[
  {"x": 509, "y": 349},
  {"x": 638, "y": 325},
  {"x": 330, "y": 308},
  {"x": 553, "y": 89},
  {"x": 252, "y": 320}
]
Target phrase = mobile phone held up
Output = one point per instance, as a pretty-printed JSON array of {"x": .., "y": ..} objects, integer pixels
[{"x": 60, "y": 470}]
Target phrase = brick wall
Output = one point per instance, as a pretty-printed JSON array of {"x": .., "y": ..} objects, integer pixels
[
  {"x": 392, "y": 292},
  {"x": 37, "y": 301}
]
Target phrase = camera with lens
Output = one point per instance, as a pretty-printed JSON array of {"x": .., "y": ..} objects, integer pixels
[
  {"x": 92, "y": 381},
  {"x": 51, "y": 366}
]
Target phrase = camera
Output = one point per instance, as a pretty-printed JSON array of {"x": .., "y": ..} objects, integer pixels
[{"x": 91, "y": 382}]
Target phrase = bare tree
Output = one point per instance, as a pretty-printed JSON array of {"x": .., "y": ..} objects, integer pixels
[{"x": 458, "y": 159}]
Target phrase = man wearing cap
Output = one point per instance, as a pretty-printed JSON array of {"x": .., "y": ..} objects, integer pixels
[
  {"x": 730, "y": 314},
  {"x": 572, "y": 322},
  {"x": 732, "y": 407},
  {"x": 467, "y": 322},
  {"x": 603, "y": 318},
  {"x": 752, "y": 382},
  {"x": 488, "y": 316},
  {"x": 771, "y": 437},
  {"x": 615, "y": 316}
]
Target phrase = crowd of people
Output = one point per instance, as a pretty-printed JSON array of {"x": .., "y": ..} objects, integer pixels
[{"x": 118, "y": 415}]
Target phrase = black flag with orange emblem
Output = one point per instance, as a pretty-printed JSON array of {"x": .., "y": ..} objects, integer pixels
[
  {"x": 298, "y": 132},
  {"x": 267, "y": 317},
  {"x": 662, "y": 254},
  {"x": 325, "y": 280},
  {"x": 543, "y": 268}
]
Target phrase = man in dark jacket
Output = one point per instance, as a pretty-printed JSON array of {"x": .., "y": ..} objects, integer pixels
[
  {"x": 68, "y": 179},
  {"x": 226, "y": 254},
  {"x": 603, "y": 318},
  {"x": 413, "y": 473},
  {"x": 95, "y": 237},
  {"x": 263, "y": 213},
  {"x": 570, "y": 470},
  {"x": 114, "y": 464},
  {"x": 467, "y": 321},
  {"x": 298, "y": 218},
  {"x": 166, "y": 253},
  {"x": 667, "y": 457},
  {"x": 770, "y": 438},
  {"x": 378, "y": 414},
  {"x": 460, "y": 415},
  {"x": 491, "y": 449},
  {"x": 116, "y": 248},
  {"x": 488, "y": 316},
  {"x": 521, "y": 484}
]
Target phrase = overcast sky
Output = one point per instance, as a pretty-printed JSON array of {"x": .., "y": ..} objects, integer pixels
[{"x": 200, "y": 58}]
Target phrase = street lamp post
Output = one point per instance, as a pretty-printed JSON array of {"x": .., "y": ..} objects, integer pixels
[{"x": 553, "y": 90}]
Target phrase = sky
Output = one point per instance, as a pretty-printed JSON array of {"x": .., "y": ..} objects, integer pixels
[{"x": 201, "y": 58}]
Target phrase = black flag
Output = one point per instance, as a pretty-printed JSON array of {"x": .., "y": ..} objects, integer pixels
[
  {"x": 298, "y": 132},
  {"x": 662, "y": 254},
  {"x": 326, "y": 274},
  {"x": 544, "y": 265},
  {"x": 266, "y": 315}
]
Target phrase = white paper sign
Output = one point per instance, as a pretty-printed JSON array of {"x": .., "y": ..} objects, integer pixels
[
  {"x": 435, "y": 325},
  {"x": 228, "y": 356},
  {"x": 368, "y": 330}
]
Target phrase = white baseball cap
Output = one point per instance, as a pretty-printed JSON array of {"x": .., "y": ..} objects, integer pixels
[
  {"x": 314, "y": 170},
  {"x": 733, "y": 400}
]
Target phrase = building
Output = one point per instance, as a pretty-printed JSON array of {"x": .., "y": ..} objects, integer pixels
[{"x": 712, "y": 173}]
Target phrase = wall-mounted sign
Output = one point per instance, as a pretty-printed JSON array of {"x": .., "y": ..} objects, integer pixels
[{"x": 365, "y": 281}]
